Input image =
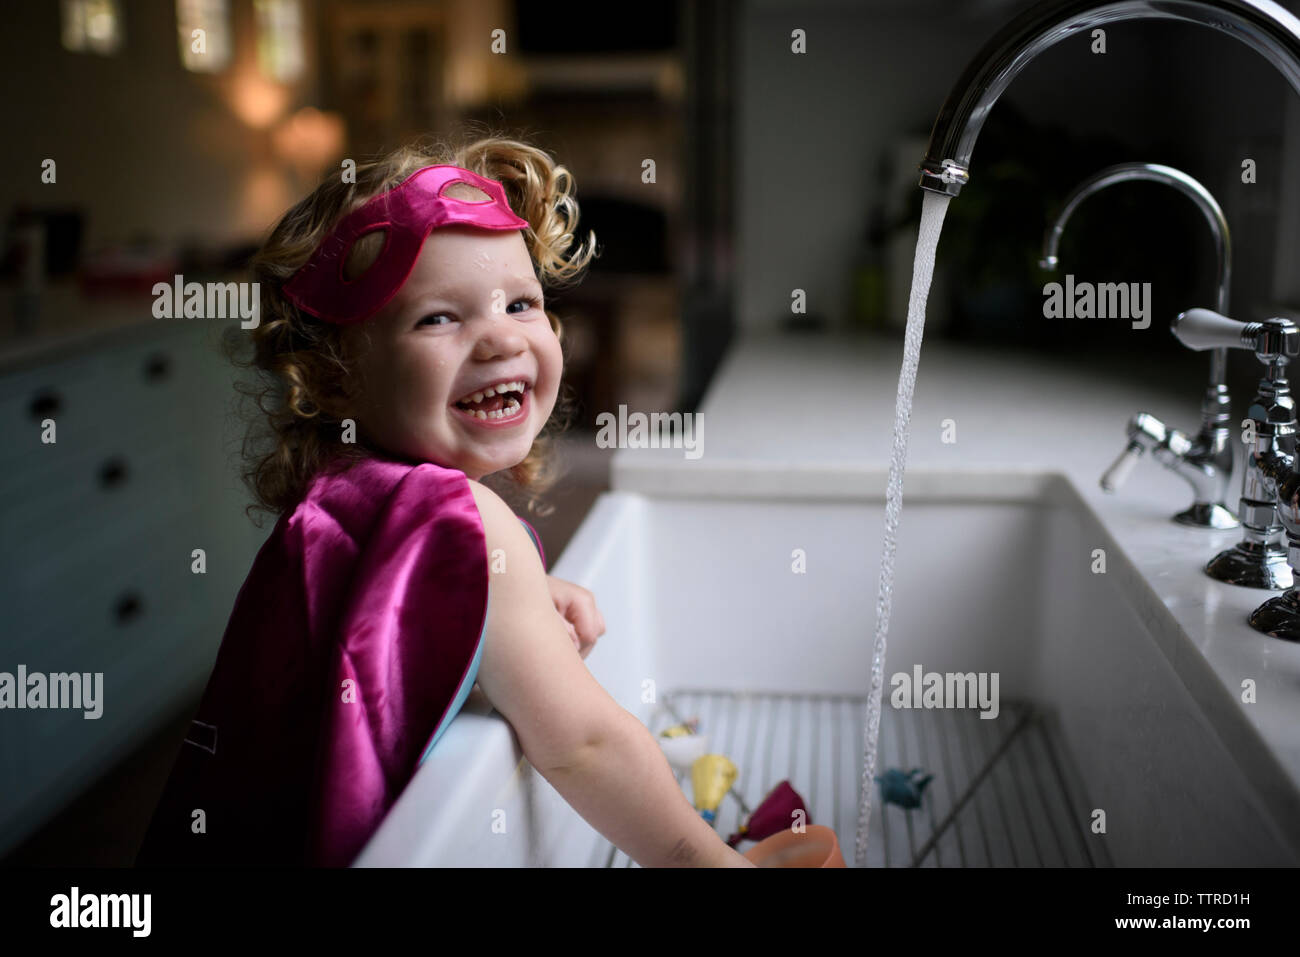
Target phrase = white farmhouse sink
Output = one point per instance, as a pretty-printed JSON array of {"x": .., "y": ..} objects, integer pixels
[{"x": 994, "y": 574}]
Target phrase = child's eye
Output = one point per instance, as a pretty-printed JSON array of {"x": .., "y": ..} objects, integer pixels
[{"x": 530, "y": 302}]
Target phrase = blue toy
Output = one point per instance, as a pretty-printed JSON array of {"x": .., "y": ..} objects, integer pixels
[{"x": 903, "y": 787}]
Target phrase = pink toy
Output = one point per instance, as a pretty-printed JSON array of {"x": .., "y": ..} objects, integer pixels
[{"x": 775, "y": 814}]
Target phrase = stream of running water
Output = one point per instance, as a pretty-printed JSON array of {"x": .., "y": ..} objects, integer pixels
[{"x": 933, "y": 208}]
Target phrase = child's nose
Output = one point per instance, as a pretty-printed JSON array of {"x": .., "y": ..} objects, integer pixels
[{"x": 498, "y": 334}]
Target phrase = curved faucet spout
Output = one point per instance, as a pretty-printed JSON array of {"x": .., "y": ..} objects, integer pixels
[
  {"x": 1188, "y": 186},
  {"x": 1153, "y": 173},
  {"x": 1260, "y": 24}
]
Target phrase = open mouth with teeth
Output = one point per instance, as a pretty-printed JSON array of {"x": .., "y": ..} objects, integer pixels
[{"x": 500, "y": 401}]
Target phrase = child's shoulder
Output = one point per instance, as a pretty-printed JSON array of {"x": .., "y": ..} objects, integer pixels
[
  {"x": 355, "y": 494},
  {"x": 375, "y": 474},
  {"x": 373, "y": 493}
]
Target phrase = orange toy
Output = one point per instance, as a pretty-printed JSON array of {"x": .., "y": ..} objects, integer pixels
[{"x": 816, "y": 847}]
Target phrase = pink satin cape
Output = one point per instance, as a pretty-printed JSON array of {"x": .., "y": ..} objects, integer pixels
[{"x": 346, "y": 647}]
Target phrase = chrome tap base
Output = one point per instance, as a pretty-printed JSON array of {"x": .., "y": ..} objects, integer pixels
[
  {"x": 1279, "y": 617},
  {"x": 1252, "y": 566},
  {"x": 1205, "y": 461},
  {"x": 1216, "y": 515}
]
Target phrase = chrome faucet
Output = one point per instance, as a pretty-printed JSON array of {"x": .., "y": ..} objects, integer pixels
[
  {"x": 1206, "y": 460},
  {"x": 1259, "y": 560},
  {"x": 1262, "y": 25}
]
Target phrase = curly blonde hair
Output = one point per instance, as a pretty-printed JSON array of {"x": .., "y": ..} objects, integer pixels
[{"x": 302, "y": 364}]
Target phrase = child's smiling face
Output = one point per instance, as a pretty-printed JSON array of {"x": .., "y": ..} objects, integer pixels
[{"x": 469, "y": 316}]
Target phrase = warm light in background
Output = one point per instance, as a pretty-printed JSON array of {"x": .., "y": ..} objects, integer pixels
[
  {"x": 257, "y": 101},
  {"x": 264, "y": 195},
  {"x": 309, "y": 140}
]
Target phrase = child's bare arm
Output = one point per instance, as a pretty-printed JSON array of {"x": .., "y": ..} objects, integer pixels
[{"x": 600, "y": 758}]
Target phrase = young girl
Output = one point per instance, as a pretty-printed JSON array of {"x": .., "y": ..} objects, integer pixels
[{"x": 403, "y": 322}]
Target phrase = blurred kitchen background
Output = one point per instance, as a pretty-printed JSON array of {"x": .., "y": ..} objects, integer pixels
[{"x": 775, "y": 171}]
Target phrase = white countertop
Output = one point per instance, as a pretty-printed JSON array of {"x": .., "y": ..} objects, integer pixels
[{"x": 766, "y": 414}]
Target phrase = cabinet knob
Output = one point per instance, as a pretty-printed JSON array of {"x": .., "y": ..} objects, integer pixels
[
  {"x": 158, "y": 367},
  {"x": 128, "y": 607},
  {"x": 113, "y": 473},
  {"x": 46, "y": 404}
]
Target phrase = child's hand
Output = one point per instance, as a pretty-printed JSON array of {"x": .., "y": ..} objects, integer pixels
[{"x": 577, "y": 607}]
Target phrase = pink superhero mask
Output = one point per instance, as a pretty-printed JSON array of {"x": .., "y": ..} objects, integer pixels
[{"x": 407, "y": 213}]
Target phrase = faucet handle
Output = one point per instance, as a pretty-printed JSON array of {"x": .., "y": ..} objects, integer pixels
[
  {"x": 1168, "y": 446},
  {"x": 1118, "y": 473},
  {"x": 1202, "y": 329}
]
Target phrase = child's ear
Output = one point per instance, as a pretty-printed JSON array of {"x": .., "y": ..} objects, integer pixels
[
  {"x": 341, "y": 400},
  {"x": 337, "y": 407},
  {"x": 349, "y": 383}
]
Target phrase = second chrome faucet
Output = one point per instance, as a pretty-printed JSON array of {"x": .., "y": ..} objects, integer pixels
[
  {"x": 1260, "y": 559},
  {"x": 1205, "y": 460}
]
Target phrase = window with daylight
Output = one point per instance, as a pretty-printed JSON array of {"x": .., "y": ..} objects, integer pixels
[
  {"x": 93, "y": 26},
  {"x": 279, "y": 39},
  {"x": 204, "y": 32}
]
